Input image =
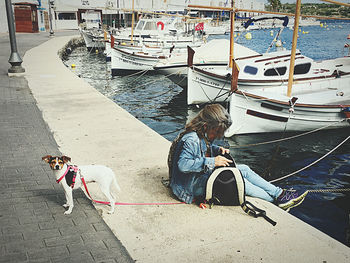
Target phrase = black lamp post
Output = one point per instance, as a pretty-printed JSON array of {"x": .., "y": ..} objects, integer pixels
[
  {"x": 15, "y": 59},
  {"x": 51, "y": 3}
]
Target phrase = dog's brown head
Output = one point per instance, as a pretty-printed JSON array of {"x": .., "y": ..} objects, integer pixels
[{"x": 56, "y": 162}]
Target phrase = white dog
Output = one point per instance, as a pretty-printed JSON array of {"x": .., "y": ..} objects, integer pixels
[{"x": 70, "y": 177}]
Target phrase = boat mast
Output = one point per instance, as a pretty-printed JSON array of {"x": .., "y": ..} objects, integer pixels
[
  {"x": 294, "y": 47},
  {"x": 232, "y": 24},
  {"x": 132, "y": 23},
  {"x": 232, "y": 63}
]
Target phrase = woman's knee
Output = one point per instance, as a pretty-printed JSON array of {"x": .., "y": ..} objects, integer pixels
[{"x": 243, "y": 167}]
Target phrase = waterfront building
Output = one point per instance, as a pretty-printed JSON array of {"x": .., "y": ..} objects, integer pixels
[{"x": 114, "y": 13}]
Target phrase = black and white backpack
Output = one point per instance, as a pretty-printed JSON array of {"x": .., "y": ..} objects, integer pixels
[{"x": 225, "y": 186}]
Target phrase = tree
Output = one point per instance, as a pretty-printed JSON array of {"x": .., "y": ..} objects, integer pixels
[{"x": 275, "y": 5}]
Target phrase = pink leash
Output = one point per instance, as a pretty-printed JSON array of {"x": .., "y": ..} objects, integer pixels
[{"x": 106, "y": 203}]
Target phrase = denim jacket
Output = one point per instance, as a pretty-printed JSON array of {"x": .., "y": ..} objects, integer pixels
[{"x": 190, "y": 167}]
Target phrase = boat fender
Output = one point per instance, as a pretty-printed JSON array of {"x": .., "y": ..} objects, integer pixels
[
  {"x": 278, "y": 43},
  {"x": 248, "y": 36},
  {"x": 292, "y": 102},
  {"x": 161, "y": 24},
  {"x": 346, "y": 112}
]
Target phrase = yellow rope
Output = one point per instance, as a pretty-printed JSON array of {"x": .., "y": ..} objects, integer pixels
[{"x": 329, "y": 190}]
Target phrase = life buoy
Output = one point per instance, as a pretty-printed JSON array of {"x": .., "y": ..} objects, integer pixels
[{"x": 161, "y": 24}]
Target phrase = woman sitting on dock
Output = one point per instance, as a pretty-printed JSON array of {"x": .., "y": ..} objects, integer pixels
[{"x": 193, "y": 157}]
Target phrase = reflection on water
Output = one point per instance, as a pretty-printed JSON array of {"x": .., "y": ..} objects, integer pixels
[{"x": 161, "y": 105}]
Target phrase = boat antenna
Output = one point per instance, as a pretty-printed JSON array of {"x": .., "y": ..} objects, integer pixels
[{"x": 275, "y": 39}]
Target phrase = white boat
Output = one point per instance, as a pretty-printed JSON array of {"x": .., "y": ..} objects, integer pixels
[
  {"x": 144, "y": 57},
  {"x": 214, "y": 85},
  {"x": 93, "y": 38},
  {"x": 126, "y": 60},
  {"x": 326, "y": 104},
  {"x": 91, "y": 31},
  {"x": 264, "y": 70},
  {"x": 108, "y": 50},
  {"x": 167, "y": 31},
  {"x": 176, "y": 67},
  {"x": 110, "y": 43}
]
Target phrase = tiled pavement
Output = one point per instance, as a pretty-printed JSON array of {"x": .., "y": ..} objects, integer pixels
[{"x": 33, "y": 227}]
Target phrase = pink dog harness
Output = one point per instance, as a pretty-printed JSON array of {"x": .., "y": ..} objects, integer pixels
[{"x": 70, "y": 174}]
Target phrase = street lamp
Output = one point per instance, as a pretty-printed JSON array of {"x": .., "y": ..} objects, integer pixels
[
  {"x": 51, "y": 3},
  {"x": 15, "y": 59}
]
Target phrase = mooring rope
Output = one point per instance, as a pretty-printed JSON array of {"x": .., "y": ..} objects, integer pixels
[
  {"x": 161, "y": 78},
  {"x": 268, "y": 170},
  {"x": 329, "y": 190},
  {"x": 145, "y": 71},
  {"x": 218, "y": 95},
  {"x": 287, "y": 138},
  {"x": 136, "y": 73},
  {"x": 311, "y": 164}
]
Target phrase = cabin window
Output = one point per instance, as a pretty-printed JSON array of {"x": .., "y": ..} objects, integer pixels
[
  {"x": 302, "y": 68},
  {"x": 150, "y": 26},
  {"x": 66, "y": 16},
  {"x": 140, "y": 25},
  {"x": 275, "y": 71},
  {"x": 250, "y": 70}
]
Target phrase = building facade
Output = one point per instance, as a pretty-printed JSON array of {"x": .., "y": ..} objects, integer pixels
[{"x": 69, "y": 14}]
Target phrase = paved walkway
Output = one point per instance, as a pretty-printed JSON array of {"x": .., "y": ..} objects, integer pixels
[{"x": 32, "y": 225}]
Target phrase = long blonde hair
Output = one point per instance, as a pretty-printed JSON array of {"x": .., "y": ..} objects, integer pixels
[{"x": 212, "y": 116}]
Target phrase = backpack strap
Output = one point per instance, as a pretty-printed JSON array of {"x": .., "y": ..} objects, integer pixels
[
  {"x": 252, "y": 210},
  {"x": 239, "y": 182},
  {"x": 247, "y": 206}
]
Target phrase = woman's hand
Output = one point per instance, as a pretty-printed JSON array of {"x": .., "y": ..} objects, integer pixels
[
  {"x": 222, "y": 161},
  {"x": 224, "y": 150}
]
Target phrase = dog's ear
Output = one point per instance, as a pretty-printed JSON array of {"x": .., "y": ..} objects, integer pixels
[
  {"x": 46, "y": 158},
  {"x": 66, "y": 159}
]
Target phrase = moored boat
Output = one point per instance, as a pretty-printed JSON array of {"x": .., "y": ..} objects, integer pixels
[{"x": 260, "y": 110}]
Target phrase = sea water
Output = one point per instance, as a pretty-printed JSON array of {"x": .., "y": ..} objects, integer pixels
[{"x": 161, "y": 105}]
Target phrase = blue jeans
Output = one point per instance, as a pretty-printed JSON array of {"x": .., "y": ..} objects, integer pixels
[{"x": 256, "y": 186}]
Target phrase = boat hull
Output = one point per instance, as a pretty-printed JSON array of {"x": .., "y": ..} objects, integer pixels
[
  {"x": 124, "y": 61},
  {"x": 257, "y": 115},
  {"x": 108, "y": 51},
  {"x": 91, "y": 41},
  {"x": 203, "y": 87}
]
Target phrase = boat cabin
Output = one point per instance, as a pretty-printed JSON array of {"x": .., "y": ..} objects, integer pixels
[{"x": 274, "y": 66}]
